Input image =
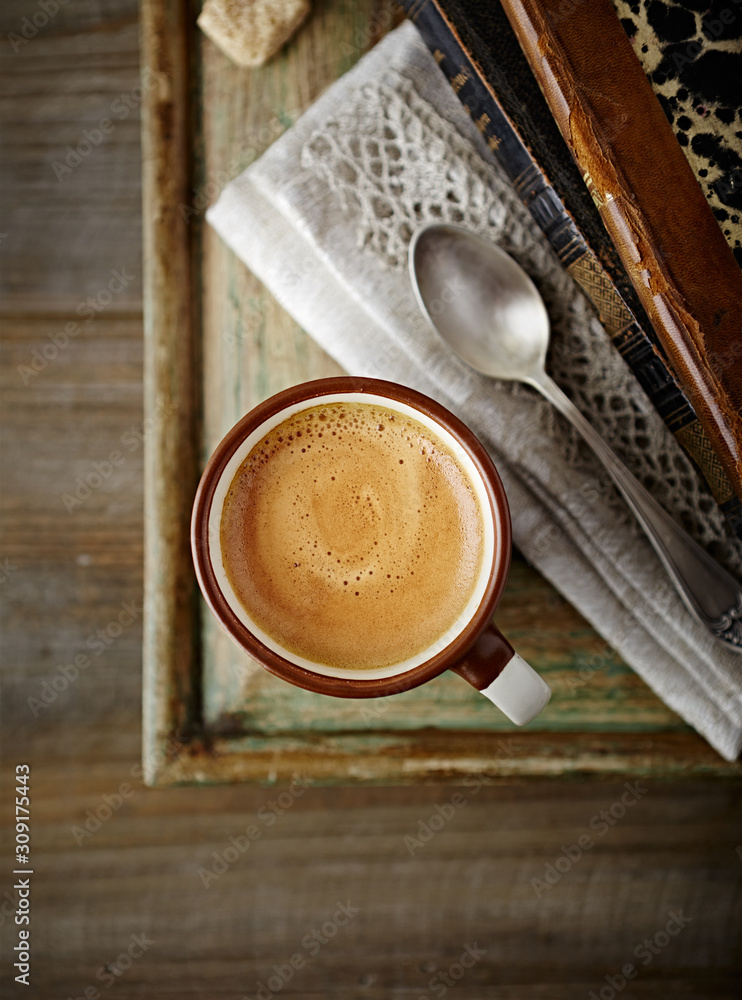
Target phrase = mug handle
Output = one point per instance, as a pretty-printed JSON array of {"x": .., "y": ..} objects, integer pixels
[{"x": 494, "y": 668}]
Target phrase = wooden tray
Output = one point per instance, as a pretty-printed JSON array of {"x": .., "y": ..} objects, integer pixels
[{"x": 216, "y": 343}]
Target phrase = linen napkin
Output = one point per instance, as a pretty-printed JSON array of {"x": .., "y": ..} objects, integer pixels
[{"x": 324, "y": 219}]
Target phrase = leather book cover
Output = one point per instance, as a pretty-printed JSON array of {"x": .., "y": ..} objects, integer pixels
[
  {"x": 478, "y": 51},
  {"x": 649, "y": 200}
]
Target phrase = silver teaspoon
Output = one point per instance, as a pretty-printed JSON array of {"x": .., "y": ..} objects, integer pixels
[{"x": 498, "y": 324}]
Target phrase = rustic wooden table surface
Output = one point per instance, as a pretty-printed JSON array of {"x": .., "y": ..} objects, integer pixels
[{"x": 522, "y": 890}]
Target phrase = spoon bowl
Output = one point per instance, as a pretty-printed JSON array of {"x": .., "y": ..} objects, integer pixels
[
  {"x": 480, "y": 301},
  {"x": 484, "y": 305}
]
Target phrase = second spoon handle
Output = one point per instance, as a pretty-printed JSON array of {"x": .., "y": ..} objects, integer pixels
[{"x": 709, "y": 592}]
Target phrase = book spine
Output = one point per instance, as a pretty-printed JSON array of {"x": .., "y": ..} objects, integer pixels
[
  {"x": 657, "y": 217},
  {"x": 507, "y": 147}
]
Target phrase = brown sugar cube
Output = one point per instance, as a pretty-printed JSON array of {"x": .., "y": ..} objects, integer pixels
[{"x": 251, "y": 31}]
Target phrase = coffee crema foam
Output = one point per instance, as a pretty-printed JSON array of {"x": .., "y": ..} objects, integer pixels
[{"x": 352, "y": 536}]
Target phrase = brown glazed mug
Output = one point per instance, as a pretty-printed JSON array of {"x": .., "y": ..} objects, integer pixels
[{"x": 473, "y": 647}]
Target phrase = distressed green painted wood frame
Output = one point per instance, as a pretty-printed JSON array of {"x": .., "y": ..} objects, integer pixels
[{"x": 216, "y": 343}]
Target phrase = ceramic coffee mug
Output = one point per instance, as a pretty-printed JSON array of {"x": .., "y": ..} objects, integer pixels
[{"x": 472, "y": 645}]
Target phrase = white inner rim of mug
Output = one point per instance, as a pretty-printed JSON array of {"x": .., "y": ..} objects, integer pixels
[{"x": 489, "y": 517}]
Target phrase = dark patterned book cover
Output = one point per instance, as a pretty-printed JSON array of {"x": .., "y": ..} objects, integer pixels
[{"x": 481, "y": 56}]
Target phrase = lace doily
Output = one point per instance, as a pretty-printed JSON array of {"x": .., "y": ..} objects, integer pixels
[{"x": 395, "y": 163}]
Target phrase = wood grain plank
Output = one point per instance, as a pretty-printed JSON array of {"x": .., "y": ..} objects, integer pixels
[
  {"x": 72, "y": 570},
  {"x": 419, "y": 902},
  {"x": 171, "y": 337},
  {"x": 58, "y": 249},
  {"x": 139, "y": 872},
  {"x": 433, "y": 755}
]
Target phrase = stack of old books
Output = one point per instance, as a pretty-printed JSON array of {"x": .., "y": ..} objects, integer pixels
[{"x": 632, "y": 168}]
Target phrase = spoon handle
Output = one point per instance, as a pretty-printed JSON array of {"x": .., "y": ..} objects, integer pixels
[{"x": 708, "y": 591}]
